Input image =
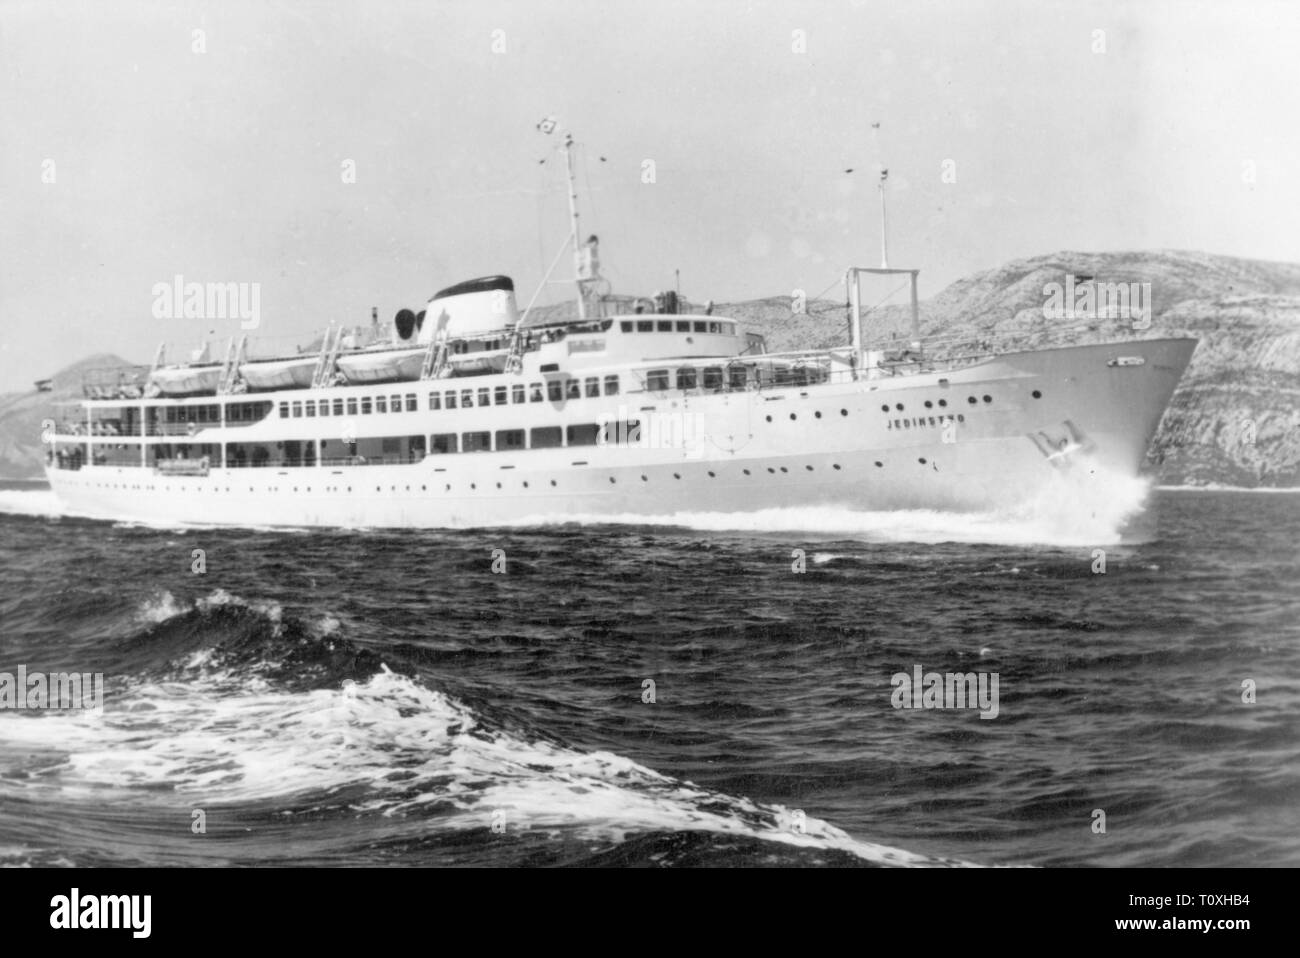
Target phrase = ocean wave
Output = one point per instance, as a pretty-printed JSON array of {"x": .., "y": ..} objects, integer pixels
[{"x": 222, "y": 729}]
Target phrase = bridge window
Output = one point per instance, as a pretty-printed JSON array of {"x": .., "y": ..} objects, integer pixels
[
  {"x": 476, "y": 442},
  {"x": 324, "y": 407},
  {"x": 435, "y": 400},
  {"x": 517, "y": 392},
  {"x": 311, "y": 408},
  {"x": 555, "y": 390},
  {"x": 510, "y": 439},
  {"x": 381, "y": 404},
  {"x": 611, "y": 385},
  {"x": 466, "y": 398},
  {"x": 686, "y": 378},
  {"x": 535, "y": 392},
  {"x": 701, "y": 326},
  {"x": 582, "y": 435},
  {"x": 411, "y": 404},
  {"x": 665, "y": 325},
  {"x": 574, "y": 389},
  {"x": 625, "y": 325},
  {"x": 656, "y": 380},
  {"x": 683, "y": 325},
  {"x": 501, "y": 396},
  {"x": 352, "y": 406},
  {"x": 394, "y": 403},
  {"x": 593, "y": 386},
  {"x": 284, "y": 410},
  {"x": 484, "y": 396},
  {"x": 739, "y": 376},
  {"x": 450, "y": 399},
  {"x": 713, "y": 377},
  {"x": 338, "y": 407},
  {"x": 545, "y": 437},
  {"x": 366, "y": 403},
  {"x": 297, "y": 410},
  {"x": 645, "y": 326}
]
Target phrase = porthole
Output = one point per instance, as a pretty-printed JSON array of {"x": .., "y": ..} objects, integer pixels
[
  {"x": 426, "y": 488},
  {"x": 972, "y": 400},
  {"x": 1036, "y": 394},
  {"x": 988, "y": 398},
  {"x": 809, "y": 468},
  {"x": 712, "y": 474},
  {"x": 921, "y": 460},
  {"x": 961, "y": 417},
  {"x": 611, "y": 480},
  {"x": 928, "y": 404},
  {"x": 769, "y": 418},
  {"x": 449, "y": 487},
  {"x": 677, "y": 475},
  {"x": 498, "y": 485},
  {"x": 898, "y": 406},
  {"x": 835, "y": 465},
  {"x": 784, "y": 469},
  {"x": 644, "y": 479},
  {"x": 525, "y": 483},
  {"x": 884, "y": 408},
  {"x": 771, "y": 470},
  {"x": 473, "y": 486},
  {"x": 880, "y": 465},
  {"x": 817, "y": 414},
  {"x": 844, "y": 412},
  {"x": 943, "y": 402},
  {"x": 793, "y": 416},
  {"x": 552, "y": 482},
  {"x": 745, "y": 471}
]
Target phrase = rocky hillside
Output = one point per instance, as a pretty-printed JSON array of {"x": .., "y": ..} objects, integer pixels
[
  {"x": 1234, "y": 420},
  {"x": 21, "y": 415}
]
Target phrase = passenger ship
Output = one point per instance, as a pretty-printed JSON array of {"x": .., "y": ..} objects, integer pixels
[{"x": 467, "y": 414}]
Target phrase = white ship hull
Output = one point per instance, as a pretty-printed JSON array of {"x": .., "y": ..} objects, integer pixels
[{"x": 829, "y": 444}]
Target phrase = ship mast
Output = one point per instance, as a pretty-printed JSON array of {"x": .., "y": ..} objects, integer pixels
[{"x": 573, "y": 214}]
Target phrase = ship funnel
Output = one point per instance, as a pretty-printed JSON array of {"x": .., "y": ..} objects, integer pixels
[
  {"x": 475, "y": 307},
  {"x": 405, "y": 323}
]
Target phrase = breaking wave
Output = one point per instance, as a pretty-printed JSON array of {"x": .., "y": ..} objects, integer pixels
[{"x": 247, "y": 705}]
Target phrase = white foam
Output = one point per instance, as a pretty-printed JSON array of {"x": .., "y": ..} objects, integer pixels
[
  {"x": 1073, "y": 509},
  {"x": 31, "y": 502},
  {"x": 219, "y": 738}
]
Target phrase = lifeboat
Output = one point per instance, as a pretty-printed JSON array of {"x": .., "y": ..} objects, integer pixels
[
  {"x": 384, "y": 365},
  {"x": 186, "y": 380},
  {"x": 294, "y": 373}
]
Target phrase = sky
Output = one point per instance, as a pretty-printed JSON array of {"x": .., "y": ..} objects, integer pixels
[{"x": 344, "y": 155}]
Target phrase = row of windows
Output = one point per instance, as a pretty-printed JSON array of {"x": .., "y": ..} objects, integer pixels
[
  {"x": 678, "y": 326},
  {"x": 555, "y": 390},
  {"x": 688, "y": 377},
  {"x": 541, "y": 437},
  {"x": 424, "y": 488},
  {"x": 943, "y": 403},
  {"x": 349, "y": 406}
]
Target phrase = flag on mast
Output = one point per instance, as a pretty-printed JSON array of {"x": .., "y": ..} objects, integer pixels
[{"x": 547, "y": 125}]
